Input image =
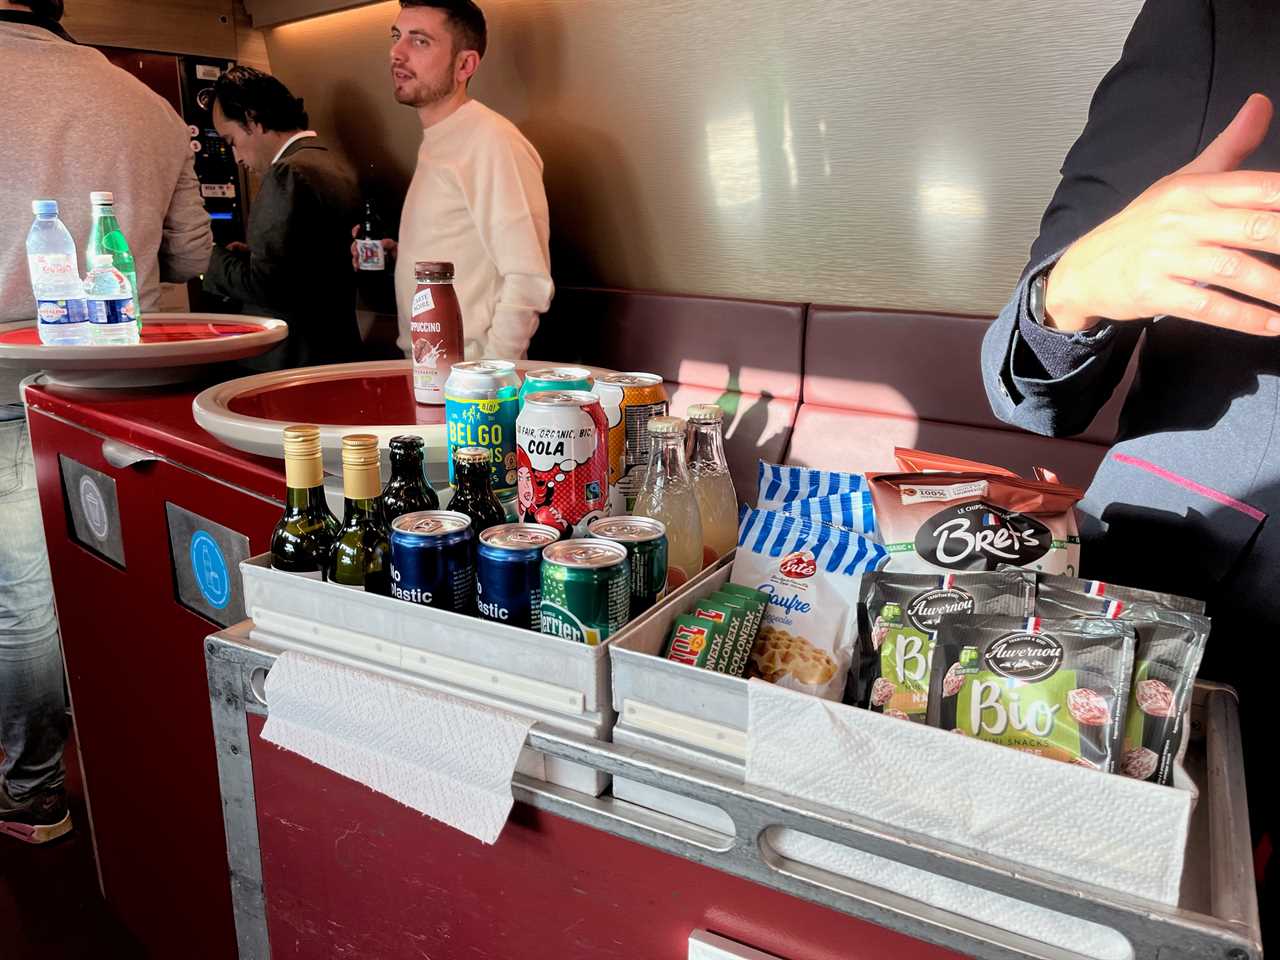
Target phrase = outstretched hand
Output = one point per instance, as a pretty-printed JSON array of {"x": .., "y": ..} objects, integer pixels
[{"x": 1199, "y": 227}]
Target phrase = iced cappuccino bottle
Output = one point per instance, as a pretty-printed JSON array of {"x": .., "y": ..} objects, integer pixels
[
  {"x": 712, "y": 483},
  {"x": 667, "y": 495},
  {"x": 435, "y": 326}
]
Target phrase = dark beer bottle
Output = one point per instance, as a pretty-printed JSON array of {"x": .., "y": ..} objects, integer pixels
[
  {"x": 361, "y": 556},
  {"x": 303, "y": 539},
  {"x": 474, "y": 494},
  {"x": 407, "y": 491},
  {"x": 370, "y": 253}
]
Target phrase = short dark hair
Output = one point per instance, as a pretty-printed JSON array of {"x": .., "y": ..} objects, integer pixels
[
  {"x": 466, "y": 21},
  {"x": 46, "y": 9},
  {"x": 246, "y": 94}
]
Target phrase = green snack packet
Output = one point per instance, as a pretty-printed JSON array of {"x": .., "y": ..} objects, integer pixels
[
  {"x": 695, "y": 641},
  {"x": 757, "y": 598},
  {"x": 752, "y": 609},
  {"x": 736, "y": 647}
]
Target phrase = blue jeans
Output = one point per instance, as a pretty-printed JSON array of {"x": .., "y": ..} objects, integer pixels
[{"x": 33, "y": 722}]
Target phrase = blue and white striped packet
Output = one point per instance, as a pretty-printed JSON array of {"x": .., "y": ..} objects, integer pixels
[
  {"x": 812, "y": 573},
  {"x": 851, "y": 511},
  {"x": 779, "y": 484}
]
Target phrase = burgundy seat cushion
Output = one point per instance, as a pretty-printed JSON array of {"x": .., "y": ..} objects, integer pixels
[{"x": 743, "y": 354}]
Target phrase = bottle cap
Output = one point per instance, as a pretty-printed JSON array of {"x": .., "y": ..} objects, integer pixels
[
  {"x": 100, "y": 260},
  {"x": 705, "y": 413},
  {"x": 100, "y": 197},
  {"x": 303, "y": 459},
  {"x": 465, "y": 456},
  {"x": 44, "y": 208},
  {"x": 433, "y": 270},
  {"x": 666, "y": 426},
  {"x": 359, "y": 450},
  {"x": 408, "y": 443}
]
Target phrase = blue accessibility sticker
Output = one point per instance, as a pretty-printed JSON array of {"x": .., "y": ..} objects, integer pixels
[{"x": 209, "y": 567}]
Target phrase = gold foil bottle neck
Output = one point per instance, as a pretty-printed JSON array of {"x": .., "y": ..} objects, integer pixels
[
  {"x": 361, "y": 479},
  {"x": 303, "y": 457}
]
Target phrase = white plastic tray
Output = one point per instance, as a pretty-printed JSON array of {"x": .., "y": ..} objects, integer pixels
[{"x": 561, "y": 683}]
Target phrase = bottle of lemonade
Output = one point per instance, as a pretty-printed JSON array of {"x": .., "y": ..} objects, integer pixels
[
  {"x": 667, "y": 495},
  {"x": 712, "y": 483}
]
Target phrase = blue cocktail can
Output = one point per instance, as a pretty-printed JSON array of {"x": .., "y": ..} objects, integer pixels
[
  {"x": 432, "y": 560},
  {"x": 509, "y": 573}
]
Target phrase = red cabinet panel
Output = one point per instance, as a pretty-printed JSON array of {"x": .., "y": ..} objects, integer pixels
[{"x": 136, "y": 673}]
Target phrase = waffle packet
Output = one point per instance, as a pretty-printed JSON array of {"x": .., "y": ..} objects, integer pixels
[{"x": 811, "y": 573}]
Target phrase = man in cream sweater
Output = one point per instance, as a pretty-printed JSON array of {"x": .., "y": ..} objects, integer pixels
[{"x": 477, "y": 197}]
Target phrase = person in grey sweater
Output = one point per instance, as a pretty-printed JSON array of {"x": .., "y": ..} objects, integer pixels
[
  {"x": 295, "y": 265},
  {"x": 1161, "y": 241},
  {"x": 73, "y": 123}
]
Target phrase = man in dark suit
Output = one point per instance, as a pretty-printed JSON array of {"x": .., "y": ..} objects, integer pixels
[
  {"x": 1161, "y": 240},
  {"x": 295, "y": 264}
]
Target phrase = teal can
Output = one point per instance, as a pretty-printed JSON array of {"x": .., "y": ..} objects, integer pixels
[
  {"x": 481, "y": 403},
  {"x": 554, "y": 380}
]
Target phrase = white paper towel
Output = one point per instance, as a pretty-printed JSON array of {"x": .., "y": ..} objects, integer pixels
[
  {"x": 1101, "y": 829},
  {"x": 446, "y": 757}
]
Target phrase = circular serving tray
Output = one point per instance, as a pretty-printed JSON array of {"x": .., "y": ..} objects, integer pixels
[
  {"x": 373, "y": 397},
  {"x": 175, "y": 347}
]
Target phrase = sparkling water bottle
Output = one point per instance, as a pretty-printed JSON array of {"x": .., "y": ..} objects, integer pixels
[
  {"x": 105, "y": 236},
  {"x": 110, "y": 303},
  {"x": 61, "y": 310}
]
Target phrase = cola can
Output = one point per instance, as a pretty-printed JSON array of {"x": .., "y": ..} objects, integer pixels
[{"x": 562, "y": 461}]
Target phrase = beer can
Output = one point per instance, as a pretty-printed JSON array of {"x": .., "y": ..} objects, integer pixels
[
  {"x": 630, "y": 401},
  {"x": 481, "y": 401},
  {"x": 552, "y": 379},
  {"x": 586, "y": 590},
  {"x": 431, "y": 560},
  {"x": 562, "y": 463},
  {"x": 509, "y": 573},
  {"x": 646, "y": 543}
]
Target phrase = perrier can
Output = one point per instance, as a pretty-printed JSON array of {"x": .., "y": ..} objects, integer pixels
[{"x": 586, "y": 590}]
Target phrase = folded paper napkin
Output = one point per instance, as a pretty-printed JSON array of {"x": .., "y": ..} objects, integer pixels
[
  {"x": 1102, "y": 829},
  {"x": 445, "y": 757}
]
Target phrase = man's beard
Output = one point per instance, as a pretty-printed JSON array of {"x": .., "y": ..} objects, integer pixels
[{"x": 424, "y": 93}]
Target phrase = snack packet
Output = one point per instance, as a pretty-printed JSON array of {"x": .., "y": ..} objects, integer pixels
[
  {"x": 1057, "y": 688},
  {"x": 737, "y": 644},
  {"x": 898, "y": 617},
  {"x": 1171, "y": 642},
  {"x": 697, "y": 642},
  {"x": 811, "y": 573},
  {"x": 852, "y": 510},
  {"x": 780, "y": 483},
  {"x": 947, "y": 514}
]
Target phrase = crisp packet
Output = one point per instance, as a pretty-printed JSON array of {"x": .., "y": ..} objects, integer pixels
[
  {"x": 898, "y": 617},
  {"x": 947, "y": 514},
  {"x": 811, "y": 573},
  {"x": 1055, "y": 688},
  {"x": 1171, "y": 641},
  {"x": 780, "y": 484}
]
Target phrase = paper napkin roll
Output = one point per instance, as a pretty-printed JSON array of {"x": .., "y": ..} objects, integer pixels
[{"x": 440, "y": 755}]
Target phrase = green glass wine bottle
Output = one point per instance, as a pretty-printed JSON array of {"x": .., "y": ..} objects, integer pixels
[
  {"x": 303, "y": 539},
  {"x": 361, "y": 556}
]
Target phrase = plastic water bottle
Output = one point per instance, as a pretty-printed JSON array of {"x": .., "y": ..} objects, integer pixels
[
  {"x": 105, "y": 236},
  {"x": 110, "y": 303},
  {"x": 61, "y": 310}
]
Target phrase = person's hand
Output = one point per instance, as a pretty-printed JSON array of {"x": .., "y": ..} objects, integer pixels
[
  {"x": 235, "y": 246},
  {"x": 1197, "y": 228},
  {"x": 389, "y": 247}
]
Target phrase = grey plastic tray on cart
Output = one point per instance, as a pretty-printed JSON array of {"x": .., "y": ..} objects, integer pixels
[{"x": 558, "y": 682}]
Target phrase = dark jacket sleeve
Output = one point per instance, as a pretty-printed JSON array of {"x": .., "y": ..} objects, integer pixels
[
  {"x": 285, "y": 216},
  {"x": 1145, "y": 122}
]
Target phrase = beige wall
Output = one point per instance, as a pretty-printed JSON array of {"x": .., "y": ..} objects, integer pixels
[
  {"x": 210, "y": 28},
  {"x": 850, "y": 151}
]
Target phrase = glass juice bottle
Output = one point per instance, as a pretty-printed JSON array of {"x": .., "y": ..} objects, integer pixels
[
  {"x": 667, "y": 494},
  {"x": 712, "y": 482}
]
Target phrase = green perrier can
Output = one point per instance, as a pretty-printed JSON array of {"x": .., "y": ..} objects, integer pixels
[
  {"x": 586, "y": 590},
  {"x": 646, "y": 543}
]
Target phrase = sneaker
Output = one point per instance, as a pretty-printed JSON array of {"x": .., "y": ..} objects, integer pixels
[{"x": 38, "y": 819}]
